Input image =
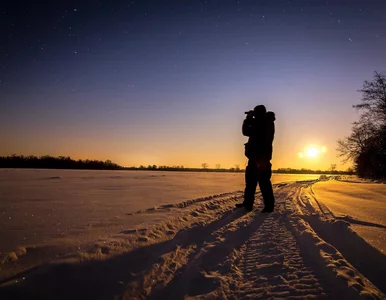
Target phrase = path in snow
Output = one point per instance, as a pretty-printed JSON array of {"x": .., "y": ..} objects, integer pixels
[
  {"x": 273, "y": 266},
  {"x": 211, "y": 251}
]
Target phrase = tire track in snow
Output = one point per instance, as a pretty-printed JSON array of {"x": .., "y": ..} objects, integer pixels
[
  {"x": 321, "y": 236},
  {"x": 338, "y": 233},
  {"x": 273, "y": 267},
  {"x": 271, "y": 262}
]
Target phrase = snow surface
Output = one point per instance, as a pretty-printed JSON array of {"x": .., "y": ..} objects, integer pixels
[
  {"x": 186, "y": 241},
  {"x": 71, "y": 206},
  {"x": 362, "y": 205}
]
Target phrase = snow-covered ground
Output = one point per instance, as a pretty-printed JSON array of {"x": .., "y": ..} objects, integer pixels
[
  {"x": 186, "y": 240},
  {"x": 45, "y": 207},
  {"x": 362, "y": 205}
]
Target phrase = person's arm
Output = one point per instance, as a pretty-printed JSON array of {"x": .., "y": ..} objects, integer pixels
[{"x": 247, "y": 126}]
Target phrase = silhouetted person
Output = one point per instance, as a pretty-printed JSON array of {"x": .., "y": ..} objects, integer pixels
[{"x": 260, "y": 128}]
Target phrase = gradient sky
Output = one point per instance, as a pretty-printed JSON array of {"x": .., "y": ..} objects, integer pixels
[{"x": 167, "y": 82}]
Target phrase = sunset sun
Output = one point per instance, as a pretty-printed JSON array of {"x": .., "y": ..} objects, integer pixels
[{"x": 312, "y": 152}]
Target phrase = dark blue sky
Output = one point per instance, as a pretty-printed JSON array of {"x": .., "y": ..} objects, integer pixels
[{"x": 167, "y": 82}]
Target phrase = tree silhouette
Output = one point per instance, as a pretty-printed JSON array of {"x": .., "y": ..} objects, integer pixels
[
  {"x": 366, "y": 145},
  {"x": 61, "y": 162},
  {"x": 204, "y": 165}
]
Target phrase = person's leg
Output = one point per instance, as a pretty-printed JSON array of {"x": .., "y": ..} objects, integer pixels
[
  {"x": 250, "y": 185},
  {"x": 266, "y": 189}
]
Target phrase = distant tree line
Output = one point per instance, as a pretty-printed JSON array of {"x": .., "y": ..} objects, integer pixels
[
  {"x": 182, "y": 168},
  {"x": 366, "y": 145},
  {"x": 61, "y": 162},
  {"x": 206, "y": 168},
  {"x": 349, "y": 171},
  {"x": 65, "y": 162}
]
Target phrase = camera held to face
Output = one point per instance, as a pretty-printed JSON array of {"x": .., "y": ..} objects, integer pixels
[{"x": 250, "y": 114}]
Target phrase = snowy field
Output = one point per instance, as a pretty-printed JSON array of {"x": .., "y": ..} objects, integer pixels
[
  {"x": 44, "y": 207},
  {"x": 362, "y": 205},
  {"x": 167, "y": 235}
]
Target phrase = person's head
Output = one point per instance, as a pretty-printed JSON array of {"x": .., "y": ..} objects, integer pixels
[
  {"x": 259, "y": 110},
  {"x": 271, "y": 116}
]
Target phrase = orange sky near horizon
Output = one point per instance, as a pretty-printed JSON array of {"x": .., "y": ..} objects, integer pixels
[{"x": 205, "y": 138}]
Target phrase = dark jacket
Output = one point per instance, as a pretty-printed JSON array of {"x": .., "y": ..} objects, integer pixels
[{"x": 261, "y": 131}]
